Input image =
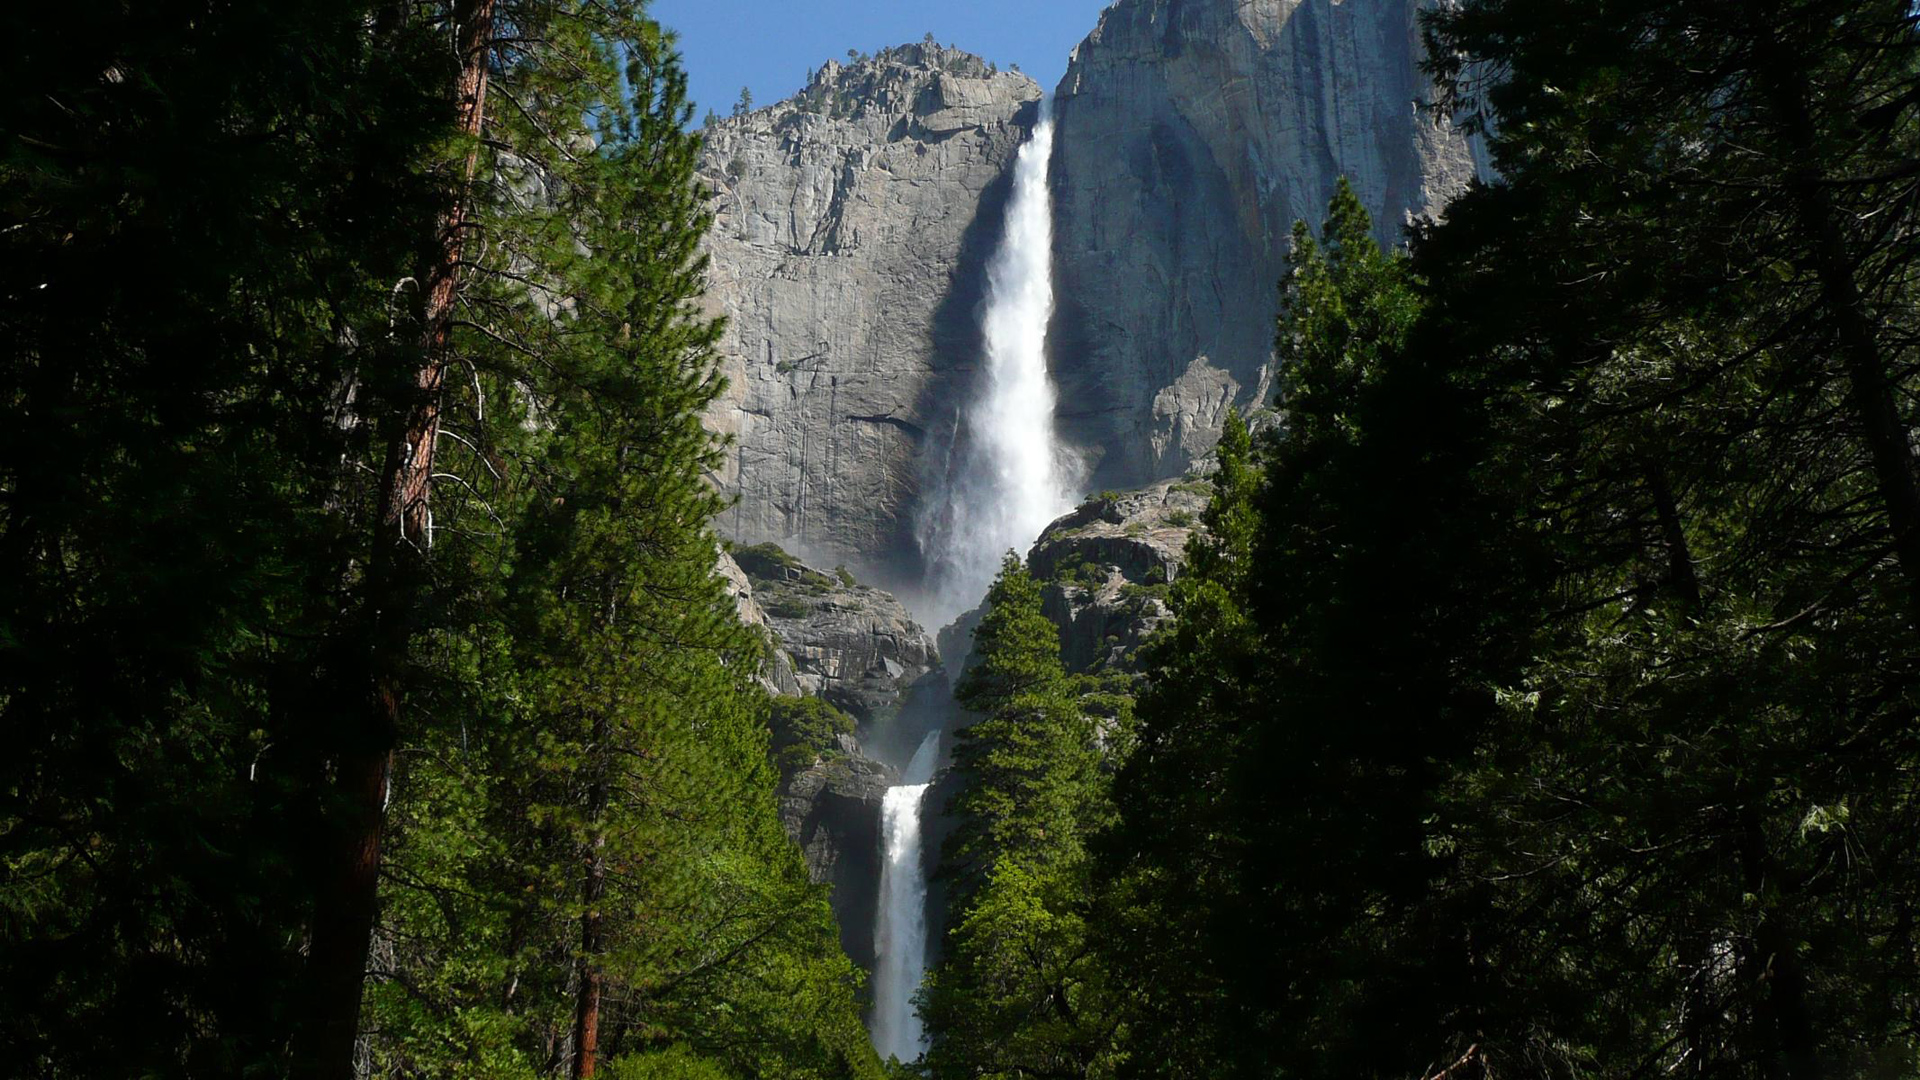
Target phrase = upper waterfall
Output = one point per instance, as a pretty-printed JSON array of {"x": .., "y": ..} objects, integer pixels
[{"x": 1008, "y": 478}]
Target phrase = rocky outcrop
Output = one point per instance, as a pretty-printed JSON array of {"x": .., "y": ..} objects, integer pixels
[
  {"x": 852, "y": 644},
  {"x": 832, "y": 810},
  {"x": 1107, "y": 566},
  {"x": 1192, "y": 135},
  {"x": 777, "y": 673},
  {"x": 852, "y": 225}
]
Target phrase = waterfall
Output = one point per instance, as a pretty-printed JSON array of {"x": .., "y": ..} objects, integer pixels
[
  {"x": 900, "y": 934},
  {"x": 1008, "y": 478}
]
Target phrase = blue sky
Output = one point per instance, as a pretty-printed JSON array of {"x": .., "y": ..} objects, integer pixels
[{"x": 769, "y": 46}]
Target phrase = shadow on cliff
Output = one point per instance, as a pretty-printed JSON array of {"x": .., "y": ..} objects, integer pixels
[
  {"x": 959, "y": 348},
  {"x": 1175, "y": 204}
]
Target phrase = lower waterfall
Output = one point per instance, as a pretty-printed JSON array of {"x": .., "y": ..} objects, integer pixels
[{"x": 900, "y": 933}]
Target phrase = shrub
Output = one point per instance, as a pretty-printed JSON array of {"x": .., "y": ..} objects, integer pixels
[
  {"x": 788, "y": 607},
  {"x": 804, "y": 729}
]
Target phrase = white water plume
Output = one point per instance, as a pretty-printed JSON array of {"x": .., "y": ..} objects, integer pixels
[
  {"x": 900, "y": 934},
  {"x": 1010, "y": 478}
]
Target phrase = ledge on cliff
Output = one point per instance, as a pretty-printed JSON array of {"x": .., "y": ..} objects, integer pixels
[{"x": 1105, "y": 569}]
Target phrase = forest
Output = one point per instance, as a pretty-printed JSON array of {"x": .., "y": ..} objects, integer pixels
[{"x": 1541, "y": 697}]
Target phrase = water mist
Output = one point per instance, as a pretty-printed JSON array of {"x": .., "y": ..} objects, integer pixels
[{"x": 1009, "y": 478}]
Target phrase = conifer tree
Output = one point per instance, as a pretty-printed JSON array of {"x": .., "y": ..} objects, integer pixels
[
  {"x": 1299, "y": 720},
  {"x": 1702, "y": 375},
  {"x": 203, "y": 213},
  {"x": 588, "y": 820},
  {"x": 1025, "y": 763},
  {"x": 1020, "y": 989}
]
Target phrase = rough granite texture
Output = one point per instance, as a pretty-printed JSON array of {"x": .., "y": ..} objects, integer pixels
[
  {"x": 777, "y": 673},
  {"x": 1192, "y": 135},
  {"x": 849, "y": 643},
  {"x": 855, "y": 646},
  {"x": 1107, "y": 565},
  {"x": 832, "y": 810},
  {"x": 852, "y": 225}
]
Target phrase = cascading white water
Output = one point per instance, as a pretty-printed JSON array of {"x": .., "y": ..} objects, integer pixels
[
  {"x": 900, "y": 934},
  {"x": 1011, "y": 478}
]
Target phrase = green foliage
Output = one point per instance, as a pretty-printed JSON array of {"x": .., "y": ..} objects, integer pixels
[
  {"x": 805, "y": 730},
  {"x": 1533, "y": 694},
  {"x": 614, "y": 750},
  {"x": 1020, "y": 990},
  {"x": 674, "y": 1063},
  {"x": 789, "y": 607},
  {"x": 1155, "y": 591},
  {"x": 1024, "y": 763},
  {"x": 204, "y": 210},
  {"x": 1074, "y": 568},
  {"x": 215, "y": 221},
  {"x": 1270, "y": 859},
  {"x": 771, "y": 563}
]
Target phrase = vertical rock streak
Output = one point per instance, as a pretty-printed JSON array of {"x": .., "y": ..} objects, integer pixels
[
  {"x": 900, "y": 934},
  {"x": 1012, "y": 479}
]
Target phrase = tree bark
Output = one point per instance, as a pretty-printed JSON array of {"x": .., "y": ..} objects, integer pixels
[
  {"x": 586, "y": 1021},
  {"x": 1682, "y": 581},
  {"x": 347, "y": 903}
]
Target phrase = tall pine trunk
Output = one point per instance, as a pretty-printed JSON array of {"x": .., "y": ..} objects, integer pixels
[
  {"x": 1787, "y": 1044},
  {"x": 1683, "y": 583},
  {"x": 586, "y": 1021},
  {"x": 347, "y": 904}
]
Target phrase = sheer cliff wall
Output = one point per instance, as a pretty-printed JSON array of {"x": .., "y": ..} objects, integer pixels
[
  {"x": 1192, "y": 135},
  {"x": 854, "y": 223}
]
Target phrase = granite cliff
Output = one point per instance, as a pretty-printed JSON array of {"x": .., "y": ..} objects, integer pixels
[
  {"x": 1192, "y": 135},
  {"x": 855, "y": 647},
  {"x": 854, "y": 221},
  {"x": 1106, "y": 569},
  {"x": 852, "y": 224}
]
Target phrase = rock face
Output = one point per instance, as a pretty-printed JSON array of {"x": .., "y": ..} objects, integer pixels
[
  {"x": 1192, "y": 135},
  {"x": 777, "y": 675},
  {"x": 856, "y": 647},
  {"x": 854, "y": 222},
  {"x": 852, "y": 226},
  {"x": 1107, "y": 565},
  {"x": 832, "y": 810},
  {"x": 849, "y": 643}
]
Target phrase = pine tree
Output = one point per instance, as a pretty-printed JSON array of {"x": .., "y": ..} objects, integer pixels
[
  {"x": 1024, "y": 764},
  {"x": 1700, "y": 429},
  {"x": 588, "y": 821},
  {"x": 345, "y": 907},
  {"x": 1020, "y": 989},
  {"x": 1300, "y": 720},
  {"x": 203, "y": 212}
]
